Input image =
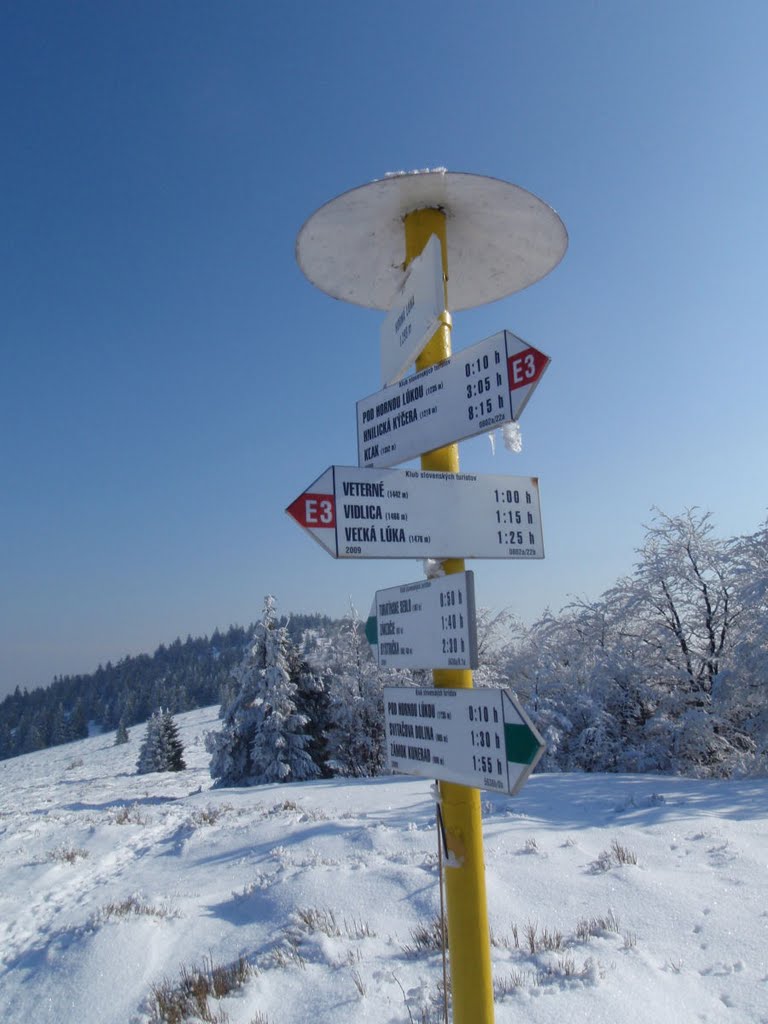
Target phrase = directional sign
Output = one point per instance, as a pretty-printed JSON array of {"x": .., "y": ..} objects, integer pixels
[
  {"x": 428, "y": 624},
  {"x": 415, "y": 312},
  {"x": 392, "y": 513},
  {"x": 476, "y": 737},
  {"x": 471, "y": 393}
]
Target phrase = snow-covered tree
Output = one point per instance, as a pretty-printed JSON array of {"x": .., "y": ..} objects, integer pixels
[
  {"x": 678, "y": 604},
  {"x": 264, "y": 737},
  {"x": 659, "y": 673},
  {"x": 6, "y": 741},
  {"x": 149, "y": 751},
  {"x": 679, "y": 611},
  {"x": 122, "y": 734},
  {"x": 571, "y": 675},
  {"x": 279, "y": 748},
  {"x": 161, "y": 749},
  {"x": 58, "y": 731},
  {"x": 230, "y": 747},
  {"x": 312, "y": 699},
  {"x": 356, "y": 739},
  {"x": 171, "y": 747},
  {"x": 496, "y": 632},
  {"x": 740, "y": 689}
]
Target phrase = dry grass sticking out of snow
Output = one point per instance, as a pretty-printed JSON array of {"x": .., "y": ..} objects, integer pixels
[{"x": 139, "y": 899}]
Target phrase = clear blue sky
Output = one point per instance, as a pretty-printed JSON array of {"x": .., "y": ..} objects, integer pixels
[{"x": 170, "y": 381}]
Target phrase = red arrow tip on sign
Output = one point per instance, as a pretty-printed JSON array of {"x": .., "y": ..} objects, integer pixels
[
  {"x": 313, "y": 511},
  {"x": 526, "y": 367}
]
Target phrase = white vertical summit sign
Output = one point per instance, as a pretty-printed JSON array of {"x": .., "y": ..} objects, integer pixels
[{"x": 414, "y": 314}]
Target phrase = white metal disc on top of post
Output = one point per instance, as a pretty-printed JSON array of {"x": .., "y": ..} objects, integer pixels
[{"x": 501, "y": 238}]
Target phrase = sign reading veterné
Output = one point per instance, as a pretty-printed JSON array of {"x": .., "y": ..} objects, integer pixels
[{"x": 389, "y": 513}]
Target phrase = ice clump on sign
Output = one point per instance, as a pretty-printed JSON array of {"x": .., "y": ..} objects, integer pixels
[
  {"x": 433, "y": 568},
  {"x": 513, "y": 438}
]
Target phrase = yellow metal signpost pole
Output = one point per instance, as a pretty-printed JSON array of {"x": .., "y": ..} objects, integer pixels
[
  {"x": 503, "y": 239},
  {"x": 468, "y": 934}
]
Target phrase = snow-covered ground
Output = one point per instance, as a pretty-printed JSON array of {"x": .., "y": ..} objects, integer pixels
[{"x": 111, "y": 883}]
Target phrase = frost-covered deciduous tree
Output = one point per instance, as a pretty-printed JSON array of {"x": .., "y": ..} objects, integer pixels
[
  {"x": 572, "y": 673},
  {"x": 742, "y": 686},
  {"x": 496, "y": 633},
  {"x": 679, "y": 603},
  {"x": 679, "y": 610},
  {"x": 665, "y": 671},
  {"x": 263, "y": 738}
]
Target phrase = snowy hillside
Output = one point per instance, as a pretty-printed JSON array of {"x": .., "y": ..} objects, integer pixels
[{"x": 112, "y": 884}]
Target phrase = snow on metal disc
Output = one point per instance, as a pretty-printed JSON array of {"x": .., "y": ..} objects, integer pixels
[{"x": 501, "y": 238}]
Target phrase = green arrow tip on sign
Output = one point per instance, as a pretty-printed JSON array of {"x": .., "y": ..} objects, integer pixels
[
  {"x": 522, "y": 745},
  {"x": 372, "y": 630}
]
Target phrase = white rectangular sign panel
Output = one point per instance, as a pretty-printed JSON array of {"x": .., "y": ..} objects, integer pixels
[
  {"x": 475, "y": 737},
  {"x": 415, "y": 313},
  {"x": 392, "y": 513},
  {"x": 471, "y": 393},
  {"x": 427, "y": 624}
]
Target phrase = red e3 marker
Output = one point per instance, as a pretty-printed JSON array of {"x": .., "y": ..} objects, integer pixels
[{"x": 314, "y": 511}]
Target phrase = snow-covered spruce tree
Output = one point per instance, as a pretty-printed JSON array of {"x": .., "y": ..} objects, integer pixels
[
  {"x": 122, "y": 734},
  {"x": 161, "y": 749},
  {"x": 149, "y": 751},
  {"x": 356, "y": 739},
  {"x": 171, "y": 747},
  {"x": 58, "y": 728},
  {"x": 279, "y": 748},
  {"x": 228, "y": 690},
  {"x": 263, "y": 737},
  {"x": 230, "y": 747},
  {"x": 312, "y": 699}
]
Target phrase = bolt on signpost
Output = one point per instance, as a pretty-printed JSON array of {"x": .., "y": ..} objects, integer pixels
[{"x": 495, "y": 239}]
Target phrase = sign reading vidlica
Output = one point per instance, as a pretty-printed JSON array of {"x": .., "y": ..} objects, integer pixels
[
  {"x": 474, "y": 737},
  {"x": 356, "y": 512}
]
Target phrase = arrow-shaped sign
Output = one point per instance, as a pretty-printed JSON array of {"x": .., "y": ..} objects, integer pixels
[
  {"x": 427, "y": 624},
  {"x": 476, "y": 737},
  {"x": 471, "y": 393},
  {"x": 391, "y": 513}
]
